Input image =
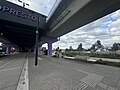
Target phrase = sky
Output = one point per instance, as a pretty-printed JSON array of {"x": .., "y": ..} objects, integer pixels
[
  {"x": 41, "y": 6},
  {"x": 106, "y": 29}
]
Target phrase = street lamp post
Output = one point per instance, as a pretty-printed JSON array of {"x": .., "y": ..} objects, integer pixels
[
  {"x": 24, "y": 4},
  {"x": 37, "y": 40},
  {"x": 37, "y": 35}
]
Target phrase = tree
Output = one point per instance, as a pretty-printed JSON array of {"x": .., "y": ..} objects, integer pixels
[
  {"x": 92, "y": 49},
  {"x": 57, "y": 49},
  {"x": 70, "y": 48},
  {"x": 98, "y": 44},
  {"x": 119, "y": 46},
  {"x": 80, "y": 47},
  {"x": 66, "y": 50},
  {"x": 115, "y": 47}
]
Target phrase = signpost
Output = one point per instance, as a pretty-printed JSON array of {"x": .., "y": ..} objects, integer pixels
[{"x": 23, "y": 3}]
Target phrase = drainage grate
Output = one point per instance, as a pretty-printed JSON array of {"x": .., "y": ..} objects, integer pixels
[
  {"x": 80, "y": 86},
  {"x": 92, "y": 79}
]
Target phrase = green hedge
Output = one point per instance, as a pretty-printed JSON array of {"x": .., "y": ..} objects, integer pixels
[
  {"x": 111, "y": 56},
  {"x": 117, "y": 64}
]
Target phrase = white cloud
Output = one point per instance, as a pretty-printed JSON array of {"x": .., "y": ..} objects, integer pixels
[
  {"x": 116, "y": 15},
  {"x": 115, "y": 23},
  {"x": 41, "y": 6},
  {"x": 0, "y": 43},
  {"x": 106, "y": 29}
]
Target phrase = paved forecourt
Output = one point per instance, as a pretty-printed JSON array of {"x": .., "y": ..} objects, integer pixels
[
  {"x": 62, "y": 74},
  {"x": 10, "y": 70}
]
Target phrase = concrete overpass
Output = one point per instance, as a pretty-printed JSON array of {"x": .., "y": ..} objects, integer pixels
[
  {"x": 73, "y": 14},
  {"x": 18, "y": 24}
]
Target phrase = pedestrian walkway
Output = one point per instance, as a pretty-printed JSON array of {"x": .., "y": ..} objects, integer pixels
[{"x": 63, "y": 74}]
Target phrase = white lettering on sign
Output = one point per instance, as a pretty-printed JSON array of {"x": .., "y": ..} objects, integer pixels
[{"x": 18, "y": 13}]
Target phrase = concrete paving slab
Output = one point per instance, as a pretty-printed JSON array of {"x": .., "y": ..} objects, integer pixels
[
  {"x": 92, "y": 79},
  {"x": 62, "y": 74}
]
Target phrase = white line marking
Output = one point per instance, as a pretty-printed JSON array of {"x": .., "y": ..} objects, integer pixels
[
  {"x": 84, "y": 87},
  {"x": 80, "y": 86},
  {"x": 24, "y": 78},
  {"x": 10, "y": 69},
  {"x": 82, "y": 71},
  {"x": 39, "y": 58},
  {"x": 92, "y": 79},
  {"x": 6, "y": 64},
  {"x": 27, "y": 76}
]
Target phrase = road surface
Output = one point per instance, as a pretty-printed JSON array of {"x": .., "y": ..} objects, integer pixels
[{"x": 10, "y": 70}]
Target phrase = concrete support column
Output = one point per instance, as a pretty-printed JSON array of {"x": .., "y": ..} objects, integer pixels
[
  {"x": 49, "y": 41},
  {"x": 50, "y": 49},
  {"x": 8, "y": 50},
  {"x": 39, "y": 49},
  {"x": 18, "y": 50},
  {"x": 29, "y": 50},
  {"x": 34, "y": 50}
]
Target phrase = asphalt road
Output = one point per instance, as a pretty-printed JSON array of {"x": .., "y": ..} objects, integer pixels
[{"x": 10, "y": 70}]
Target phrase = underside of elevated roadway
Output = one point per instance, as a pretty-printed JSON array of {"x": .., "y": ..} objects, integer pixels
[
  {"x": 18, "y": 24},
  {"x": 72, "y": 14}
]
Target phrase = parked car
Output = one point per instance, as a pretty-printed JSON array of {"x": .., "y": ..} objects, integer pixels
[{"x": 2, "y": 53}]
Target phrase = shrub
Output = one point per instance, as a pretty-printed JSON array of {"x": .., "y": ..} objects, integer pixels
[{"x": 108, "y": 63}]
